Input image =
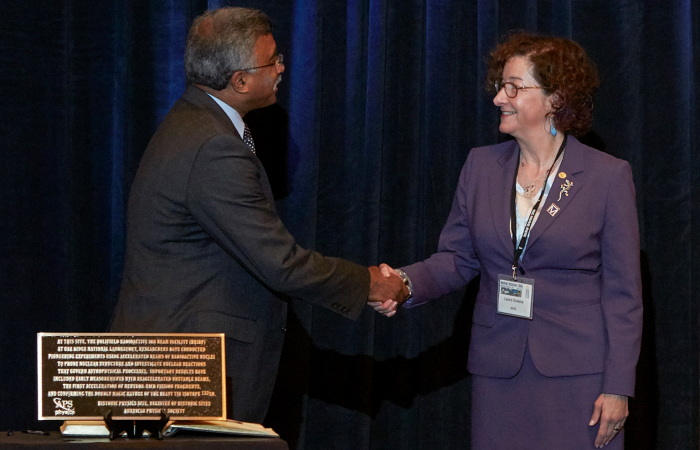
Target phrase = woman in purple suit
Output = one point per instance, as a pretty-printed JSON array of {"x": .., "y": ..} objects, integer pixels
[{"x": 551, "y": 226}]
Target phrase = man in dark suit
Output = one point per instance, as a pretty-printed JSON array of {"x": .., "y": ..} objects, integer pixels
[{"x": 206, "y": 251}]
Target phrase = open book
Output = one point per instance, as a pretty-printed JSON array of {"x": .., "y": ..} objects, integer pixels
[{"x": 97, "y": 428}]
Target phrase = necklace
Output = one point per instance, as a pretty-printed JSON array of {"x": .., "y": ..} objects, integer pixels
[{"x": 529, "y": 188}]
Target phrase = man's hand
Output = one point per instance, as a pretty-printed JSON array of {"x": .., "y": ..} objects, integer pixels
[
  {"x": 612, "y": 412},
  {"x": 385, "y": 294}
]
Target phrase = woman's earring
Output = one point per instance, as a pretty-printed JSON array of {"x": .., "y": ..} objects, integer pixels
[{"x": 551, "y": 127}]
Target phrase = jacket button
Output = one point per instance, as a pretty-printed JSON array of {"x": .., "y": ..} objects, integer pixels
[{"x": 284, "y": 329}]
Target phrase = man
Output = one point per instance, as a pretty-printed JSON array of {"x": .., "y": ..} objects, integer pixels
[{"x": 206, "y": 251}]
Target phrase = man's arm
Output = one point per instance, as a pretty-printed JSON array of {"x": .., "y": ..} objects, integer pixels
[{"x": 226, "y": 197}]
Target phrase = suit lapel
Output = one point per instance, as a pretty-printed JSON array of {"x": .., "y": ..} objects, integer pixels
[
  {"x": 572, "y": 168},
  {"x": 500, "y": 186}
]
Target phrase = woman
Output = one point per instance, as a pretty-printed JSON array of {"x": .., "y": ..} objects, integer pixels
[{"x": 557, "y": 321}]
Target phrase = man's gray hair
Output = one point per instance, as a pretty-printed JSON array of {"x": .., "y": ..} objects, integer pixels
[{"x": 222, "y": 41}]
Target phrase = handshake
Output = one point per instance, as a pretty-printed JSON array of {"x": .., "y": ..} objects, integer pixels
[{"x": 387, "y": 290}]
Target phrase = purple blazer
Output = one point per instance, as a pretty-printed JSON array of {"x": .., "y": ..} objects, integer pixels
[{"x": 587, "y": 308}]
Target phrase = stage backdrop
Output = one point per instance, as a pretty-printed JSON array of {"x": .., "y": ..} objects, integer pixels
[{"x": 379, "y": 106}]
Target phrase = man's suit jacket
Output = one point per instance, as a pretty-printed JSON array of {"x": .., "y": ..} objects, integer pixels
[
  {"x": 584, "y": 260},
  {"x": 206, "y": 251}
]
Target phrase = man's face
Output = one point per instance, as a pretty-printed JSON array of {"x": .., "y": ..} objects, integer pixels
[{"x": 262, "y": 83}]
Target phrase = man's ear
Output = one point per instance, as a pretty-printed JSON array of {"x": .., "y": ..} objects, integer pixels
[{"x": 238, "y": 82}]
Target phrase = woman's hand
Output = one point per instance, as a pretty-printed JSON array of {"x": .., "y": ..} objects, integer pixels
[
  {"x": 612, "y": 411},
  {"x": 387, "y": 308}
]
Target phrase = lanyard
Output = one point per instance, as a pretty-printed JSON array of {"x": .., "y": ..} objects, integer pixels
[{"x": 513, "y": 219}]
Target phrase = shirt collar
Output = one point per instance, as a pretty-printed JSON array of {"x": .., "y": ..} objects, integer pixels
[{"x": 232, "y": 114}]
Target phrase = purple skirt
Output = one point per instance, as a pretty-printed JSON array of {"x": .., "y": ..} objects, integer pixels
[{"x": 531, "y": 411}]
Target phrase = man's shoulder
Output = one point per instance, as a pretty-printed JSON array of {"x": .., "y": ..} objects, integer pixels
[
  {"x": 184, "y": 132},
  {"x": 191, "y": 118},
  {"x": 188, "y": 120}
]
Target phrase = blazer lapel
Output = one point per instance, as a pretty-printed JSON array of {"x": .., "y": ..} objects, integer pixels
[
  {"x": 567, "y": 182},
  {"x": 500, "y": 187}
]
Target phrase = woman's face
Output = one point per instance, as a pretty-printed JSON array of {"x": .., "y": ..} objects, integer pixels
[{"x": 524, "y": 116}]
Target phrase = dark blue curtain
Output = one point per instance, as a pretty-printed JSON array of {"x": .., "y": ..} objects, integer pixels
[{"x": 379, "y": 106}]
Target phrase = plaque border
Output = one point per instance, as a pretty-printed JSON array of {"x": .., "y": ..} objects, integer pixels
[{"x": 40, "y": 373}]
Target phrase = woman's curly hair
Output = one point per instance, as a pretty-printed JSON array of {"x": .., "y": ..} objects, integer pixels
[{"x": 562, "y": 68}]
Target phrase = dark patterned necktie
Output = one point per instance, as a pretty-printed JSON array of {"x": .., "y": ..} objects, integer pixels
[{"x": 248, "y": 138}]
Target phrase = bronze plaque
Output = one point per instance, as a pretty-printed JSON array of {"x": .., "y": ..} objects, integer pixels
[{"x": 82, "y": 376}]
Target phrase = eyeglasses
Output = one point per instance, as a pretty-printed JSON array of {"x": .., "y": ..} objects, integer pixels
[
  {"x": 279, "y": 61},
  {"x": 511, "y": 88}
]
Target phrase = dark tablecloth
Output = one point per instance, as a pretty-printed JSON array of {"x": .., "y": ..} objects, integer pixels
[{"x": 183, "y": 441}]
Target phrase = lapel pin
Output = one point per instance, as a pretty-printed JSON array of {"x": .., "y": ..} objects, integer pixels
[
  {"x": 565, "y": 188},
  {"x": 553, "y": 210},
  {"x": 562, "y": 175}
]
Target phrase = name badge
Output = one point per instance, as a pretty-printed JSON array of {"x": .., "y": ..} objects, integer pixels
[{"x": 515, "y": 297}]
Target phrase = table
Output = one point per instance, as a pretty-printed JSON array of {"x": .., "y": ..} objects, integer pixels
[{"x": 184, "y": 441}]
